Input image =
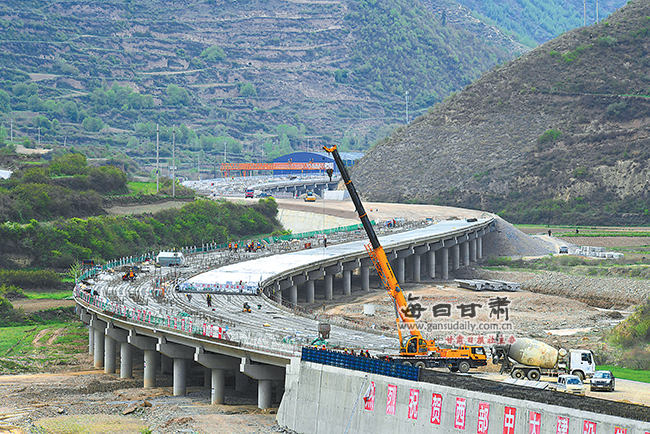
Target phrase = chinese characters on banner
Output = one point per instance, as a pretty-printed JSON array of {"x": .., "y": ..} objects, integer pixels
[
  {"x": 589, "y": 427},
  {"x": 483, "y": 418},
  {"x": 369, "y": 397},
  {"x": 459, "y": 418},
  {"x": 535, "y": 422},
  {"x": 391, "y": 400},
  {"x": 562, "y": 425},
  {"x": 509, "y": 420},
  {"x": 414, "y": 398},
  {"x": 436, "y": 408},
  {"x": 619, "y": 430}
]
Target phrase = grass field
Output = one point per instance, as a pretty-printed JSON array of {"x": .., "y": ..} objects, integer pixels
[
  {"x": 59, "y": 295},
  {"x": 626, "y": 374},
  {"x": 36, "y": 348},
  {"x": 142, "y": 188}
]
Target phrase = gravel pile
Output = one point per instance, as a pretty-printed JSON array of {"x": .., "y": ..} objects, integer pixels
[{"x": 510, "y": 241}]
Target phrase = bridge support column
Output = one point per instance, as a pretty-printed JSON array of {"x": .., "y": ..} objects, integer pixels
[
  {"x": 217, "y": 364},
  {"x": 465, "y": 253},
  {"x": 455, "y": 257},
  {"x": 479, "y": 247},
  {"x": 431, "y": 265},
  {"x": 417, "y": 261},
  {"x": 148, "y": 345},
  {"x": 91, "y": 340},
  {"x": 365, "y": 278},
  {"x": 180, "y": 376},
  {"x": 218, "y": 391},
  {"x": 347, "y": 282},
  {"x": 400, "y": 270},
  {"x": 150, "y": 368},
  {"x": 109, "y": 355},
  {"x": 265, "y": 375},
  {"x": 472, "y": 250},
  {"x": 444, "y": 263},
  {"x": 264, "y": 396},
  {"x": 115, "y": 336},
  {"x": 309, "y": 286},
  {"x": 328, "y": 286},
  {"x": 98, "y": 326},
  {"x": 126, "y": 360},
  {"x": 292, "y": 294},
  {"x": 180, "y": 354}
]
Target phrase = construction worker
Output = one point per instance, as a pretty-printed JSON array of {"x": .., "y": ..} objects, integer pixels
[
  {"x": 235, "y": 246},
  {"x": 230, "y": 246},
  {"x": 208, "y": 298}
]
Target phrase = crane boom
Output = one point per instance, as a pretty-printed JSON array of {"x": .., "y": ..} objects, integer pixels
[{"x": 377, "y": 254}]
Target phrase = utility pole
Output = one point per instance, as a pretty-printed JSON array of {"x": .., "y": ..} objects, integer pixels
[
  {"x": 584, "y": 12},
  {"x": 407, "y": 107},
  {"x": 39, "y": 136},
  {"x": 12, "y": 131},
  {"x": 173, "y": 161},
  {"x": 596, "y": 10},
  {"x": 157, "y": 158}
]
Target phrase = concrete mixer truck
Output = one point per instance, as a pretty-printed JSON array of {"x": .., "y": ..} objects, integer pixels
[{"x": 528, "y": 358}]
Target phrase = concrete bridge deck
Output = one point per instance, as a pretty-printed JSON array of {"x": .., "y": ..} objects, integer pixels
[{"x": 175, "y": 331}]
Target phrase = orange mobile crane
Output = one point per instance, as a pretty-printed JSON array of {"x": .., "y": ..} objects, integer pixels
[{"x": 414, "y": 349}]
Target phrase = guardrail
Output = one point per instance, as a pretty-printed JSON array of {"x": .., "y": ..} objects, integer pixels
[
  {"x": 185, "y": 324},
  {"x": 358, "y": 363}
]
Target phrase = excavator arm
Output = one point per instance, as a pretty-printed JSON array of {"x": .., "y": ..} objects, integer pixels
[{"x": 380, "y": 261}]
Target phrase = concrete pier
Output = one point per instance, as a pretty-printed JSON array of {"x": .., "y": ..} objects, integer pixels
[
  {"x": 109, "y": 355},
  {"x": 126, "y": 360},
  {"x": 444, "y": 263}
]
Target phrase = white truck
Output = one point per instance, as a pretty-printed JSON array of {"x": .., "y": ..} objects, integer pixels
[{"x": 528, "y": 358}]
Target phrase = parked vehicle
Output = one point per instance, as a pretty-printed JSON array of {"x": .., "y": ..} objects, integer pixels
[
  {"x": 249, "y": 193},
  {"x": 570, "y": 384},
  {"x": 310, "y": 197},
  {"x": 564, "y": 249},
  {"x": 603, "y": 380},
  {"x": 528, "y": 358}
]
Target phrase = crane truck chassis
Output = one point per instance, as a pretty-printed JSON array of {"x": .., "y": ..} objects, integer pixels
[{"x": 414, "y": 349}]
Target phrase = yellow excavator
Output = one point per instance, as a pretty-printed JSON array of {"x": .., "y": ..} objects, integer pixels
[{"x": 414, "y": 349}]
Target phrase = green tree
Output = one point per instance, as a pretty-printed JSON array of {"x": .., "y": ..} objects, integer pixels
[
  {"x": 92, "y": 124},
  {"x": 5, "y": 102},
  {"x": 177, "y": 96},
  {"x": 248, "y": 89},
  {"x": 213, "y": 54}
]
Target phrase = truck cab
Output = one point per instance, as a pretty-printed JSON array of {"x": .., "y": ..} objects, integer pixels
[{"x": 581, "y": 363}]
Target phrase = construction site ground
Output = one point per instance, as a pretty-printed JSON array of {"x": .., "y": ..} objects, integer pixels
[{"x": 87, "y": 400}]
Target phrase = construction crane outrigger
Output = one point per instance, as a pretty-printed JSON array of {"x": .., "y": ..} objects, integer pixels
[{"x": 414, "y": 349}]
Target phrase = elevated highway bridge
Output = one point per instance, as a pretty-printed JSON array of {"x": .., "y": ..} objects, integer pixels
[{"x": 165, "y": 314}]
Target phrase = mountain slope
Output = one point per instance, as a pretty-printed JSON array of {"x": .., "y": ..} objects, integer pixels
[
  {"x": 265, "y": 76},
  {"x": 538, "y": 21},
  {"x": 559, "y": 135}
]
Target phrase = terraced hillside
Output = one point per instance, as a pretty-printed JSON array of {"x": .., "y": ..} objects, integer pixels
[{"x": 263, "y": 77}]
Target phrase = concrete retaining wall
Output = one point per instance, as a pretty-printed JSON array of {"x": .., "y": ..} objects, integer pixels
[
  {"x": 321, "y": 399},
  {"x": 300, "y": 221}
]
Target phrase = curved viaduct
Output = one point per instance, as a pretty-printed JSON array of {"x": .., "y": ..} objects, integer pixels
[{"x": 177, "y": 331}]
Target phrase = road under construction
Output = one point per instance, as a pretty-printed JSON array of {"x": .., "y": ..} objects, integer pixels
[{"x": 165, "y": 313}]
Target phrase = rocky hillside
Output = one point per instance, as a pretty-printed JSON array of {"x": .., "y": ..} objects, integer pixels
[{"x": 559, "y": 135}]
